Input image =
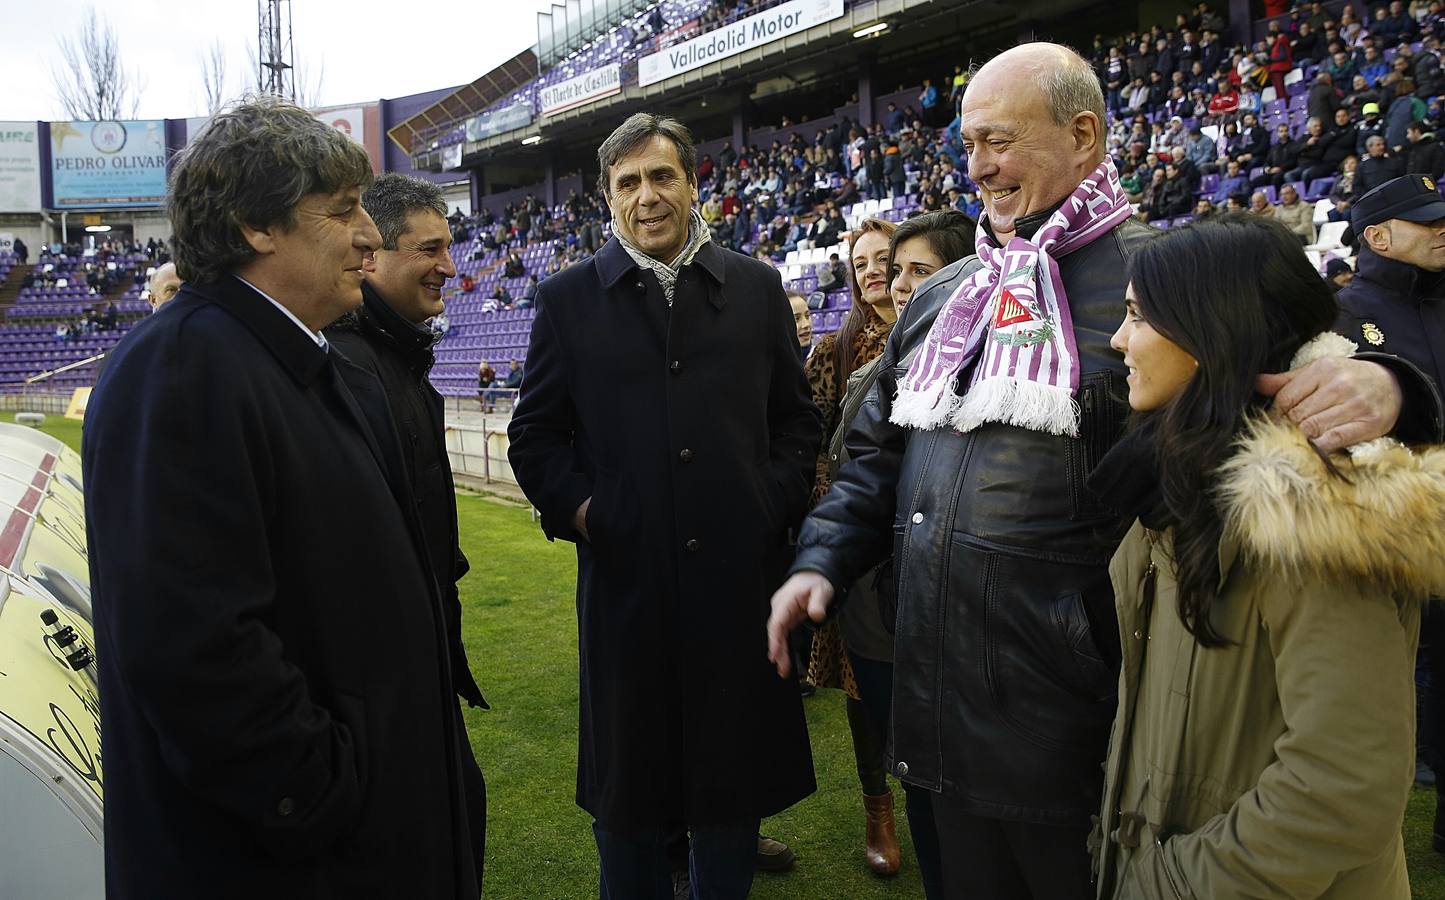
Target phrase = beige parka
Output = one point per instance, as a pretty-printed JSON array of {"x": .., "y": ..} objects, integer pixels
[{"x": 1277, "y": 766}]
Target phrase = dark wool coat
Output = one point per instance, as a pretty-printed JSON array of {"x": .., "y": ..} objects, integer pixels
[
  {"x": 692, "y": 430},
  {"x": 277, "y": 707}
]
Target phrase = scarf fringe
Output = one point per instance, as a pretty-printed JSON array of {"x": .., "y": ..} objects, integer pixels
[
  {"x": 1010, "y": 401},
  {"x": 924, "y": 410},
  {"x": 1025, "y": 404}
]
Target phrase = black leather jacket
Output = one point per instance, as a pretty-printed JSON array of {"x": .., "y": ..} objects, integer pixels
[{"x": 1007, "y": 644}]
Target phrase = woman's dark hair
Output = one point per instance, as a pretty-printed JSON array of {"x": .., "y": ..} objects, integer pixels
[
  {"x": 1237, "y": 293},
  {"x": 843, "y": 356},
  {"x": 950, "y": 235}
]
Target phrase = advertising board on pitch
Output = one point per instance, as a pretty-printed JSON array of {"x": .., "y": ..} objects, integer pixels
[
  {"x": 99, "y": 164},
  {"x": 580, "y": 90},
  {"x": 742, "y": 35},
  {"x": 19, "y": 167}
]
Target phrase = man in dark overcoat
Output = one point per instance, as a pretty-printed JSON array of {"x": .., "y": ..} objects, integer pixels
[
  {"x": 665, "y": 426},
  {"x": 278, "y": 711}
]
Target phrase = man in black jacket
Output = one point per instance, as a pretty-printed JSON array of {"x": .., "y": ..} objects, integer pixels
[
  {"x": 277, "y": 705},
  {"x": 389, "y": 337},
  {"x": 1007, "y": 642},
  {"x": 1378, "y": 165},
  {"x": 1426, "y": 156}
]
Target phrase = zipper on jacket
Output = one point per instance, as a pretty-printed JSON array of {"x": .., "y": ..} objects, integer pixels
[{"x": 1164, "y": 864}]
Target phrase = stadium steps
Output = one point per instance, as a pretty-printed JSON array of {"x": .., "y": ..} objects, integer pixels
[{"x": 10, "y": 288}]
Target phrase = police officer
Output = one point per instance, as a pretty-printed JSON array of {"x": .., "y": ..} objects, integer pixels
[{"x": 1396, "y": 304}]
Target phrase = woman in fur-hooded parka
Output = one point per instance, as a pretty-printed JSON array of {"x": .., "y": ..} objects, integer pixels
[{"x": 1279, "y": 764}]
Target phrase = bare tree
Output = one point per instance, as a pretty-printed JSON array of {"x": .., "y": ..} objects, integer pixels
[
  {"x": 90, "y": 79},
  {"x": 213, "y": 77},
  {"x": 308, "y": 89}
]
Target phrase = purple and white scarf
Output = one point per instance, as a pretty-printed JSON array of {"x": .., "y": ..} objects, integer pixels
[{"x": 1012, "y": 317}]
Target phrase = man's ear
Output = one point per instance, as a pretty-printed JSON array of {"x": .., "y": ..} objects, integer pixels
[
  {"x": 262, "y": 240},
  {"x": 1086, "y": 132},
  {"x": 1377, "y": 237}
]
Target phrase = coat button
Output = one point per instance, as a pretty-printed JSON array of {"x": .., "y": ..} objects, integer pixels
[
  {"x": 676, "y": 366},
  {"x": 918, "y": 518},
  {"x": 285, "y": 807},
  {"x": 685, "y": 455},
  {"x": 834, "y": 457},
  {"x": 902, "y": 769},
  {"x": 641, "y": 287},
  {"x": 692, "y": 545},
  {"x": 1138, "y": 635}
]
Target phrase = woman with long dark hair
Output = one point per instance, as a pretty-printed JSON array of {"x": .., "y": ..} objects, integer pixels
[
  {"x": 1268, "y": 596},
  {"x": 834, "y": 357},
  {"x": 855, "y": 650}
]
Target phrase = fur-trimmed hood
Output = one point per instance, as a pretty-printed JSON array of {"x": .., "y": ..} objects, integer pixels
[{"x": 1381, "y": 520}]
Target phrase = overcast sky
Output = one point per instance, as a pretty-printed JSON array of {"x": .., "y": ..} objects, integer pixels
[{"x": 363, "y": 49}]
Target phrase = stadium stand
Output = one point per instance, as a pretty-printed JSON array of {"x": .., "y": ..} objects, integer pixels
[
  {"x": 773, "y": 194},
  {"x": 66, "y": 307},
  {"x": 819, "y": 164}
]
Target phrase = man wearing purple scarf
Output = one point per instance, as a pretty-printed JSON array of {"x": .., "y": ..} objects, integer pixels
[{"x": 999, "y": 393}]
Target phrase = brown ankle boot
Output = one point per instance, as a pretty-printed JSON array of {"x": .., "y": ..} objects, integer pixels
[{"x": 882, "y": 839}]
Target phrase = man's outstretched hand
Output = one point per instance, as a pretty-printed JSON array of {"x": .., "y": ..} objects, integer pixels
[
  {"x": 1337, "y": 402},
  {"x": 805, "y": 594}
]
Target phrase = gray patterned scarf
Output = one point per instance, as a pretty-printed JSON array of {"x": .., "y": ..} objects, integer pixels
[{"x": 697, "y": 235}]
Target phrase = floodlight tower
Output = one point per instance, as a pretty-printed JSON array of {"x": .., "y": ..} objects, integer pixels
[{"x": 276, "y": 66}]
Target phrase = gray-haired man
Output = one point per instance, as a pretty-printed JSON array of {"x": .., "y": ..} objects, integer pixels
[{"x": 162, "y": 285}]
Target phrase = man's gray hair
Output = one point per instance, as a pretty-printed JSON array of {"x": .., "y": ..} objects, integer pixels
[
  {"x": 393, "y": 197},
  {"x": 1072, "y": 88},
  {"x": 638, "y": 130},
  {"x": 156, "y": 273},
  {"x": 251, "y": 166}
]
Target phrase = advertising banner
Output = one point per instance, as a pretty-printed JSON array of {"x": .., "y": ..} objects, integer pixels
[
  {"x": 19, "y": 167},
  {"x": 730, "y": 40},
  {"x": 581, "y": 89},
  {"x": 97, "y": 164},
  {"x": 498, "y": 121},
  {"x": 348, "y": 121}
]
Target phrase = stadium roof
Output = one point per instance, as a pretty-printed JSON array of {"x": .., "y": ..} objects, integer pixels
[{"x": 468, "y": 100}]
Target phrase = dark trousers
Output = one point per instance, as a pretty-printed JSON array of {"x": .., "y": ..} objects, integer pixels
[
  {"x": 875, "y": 687},
  {"x": 634, "y": 863},
  {"x": 1005, "y": 860}
]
